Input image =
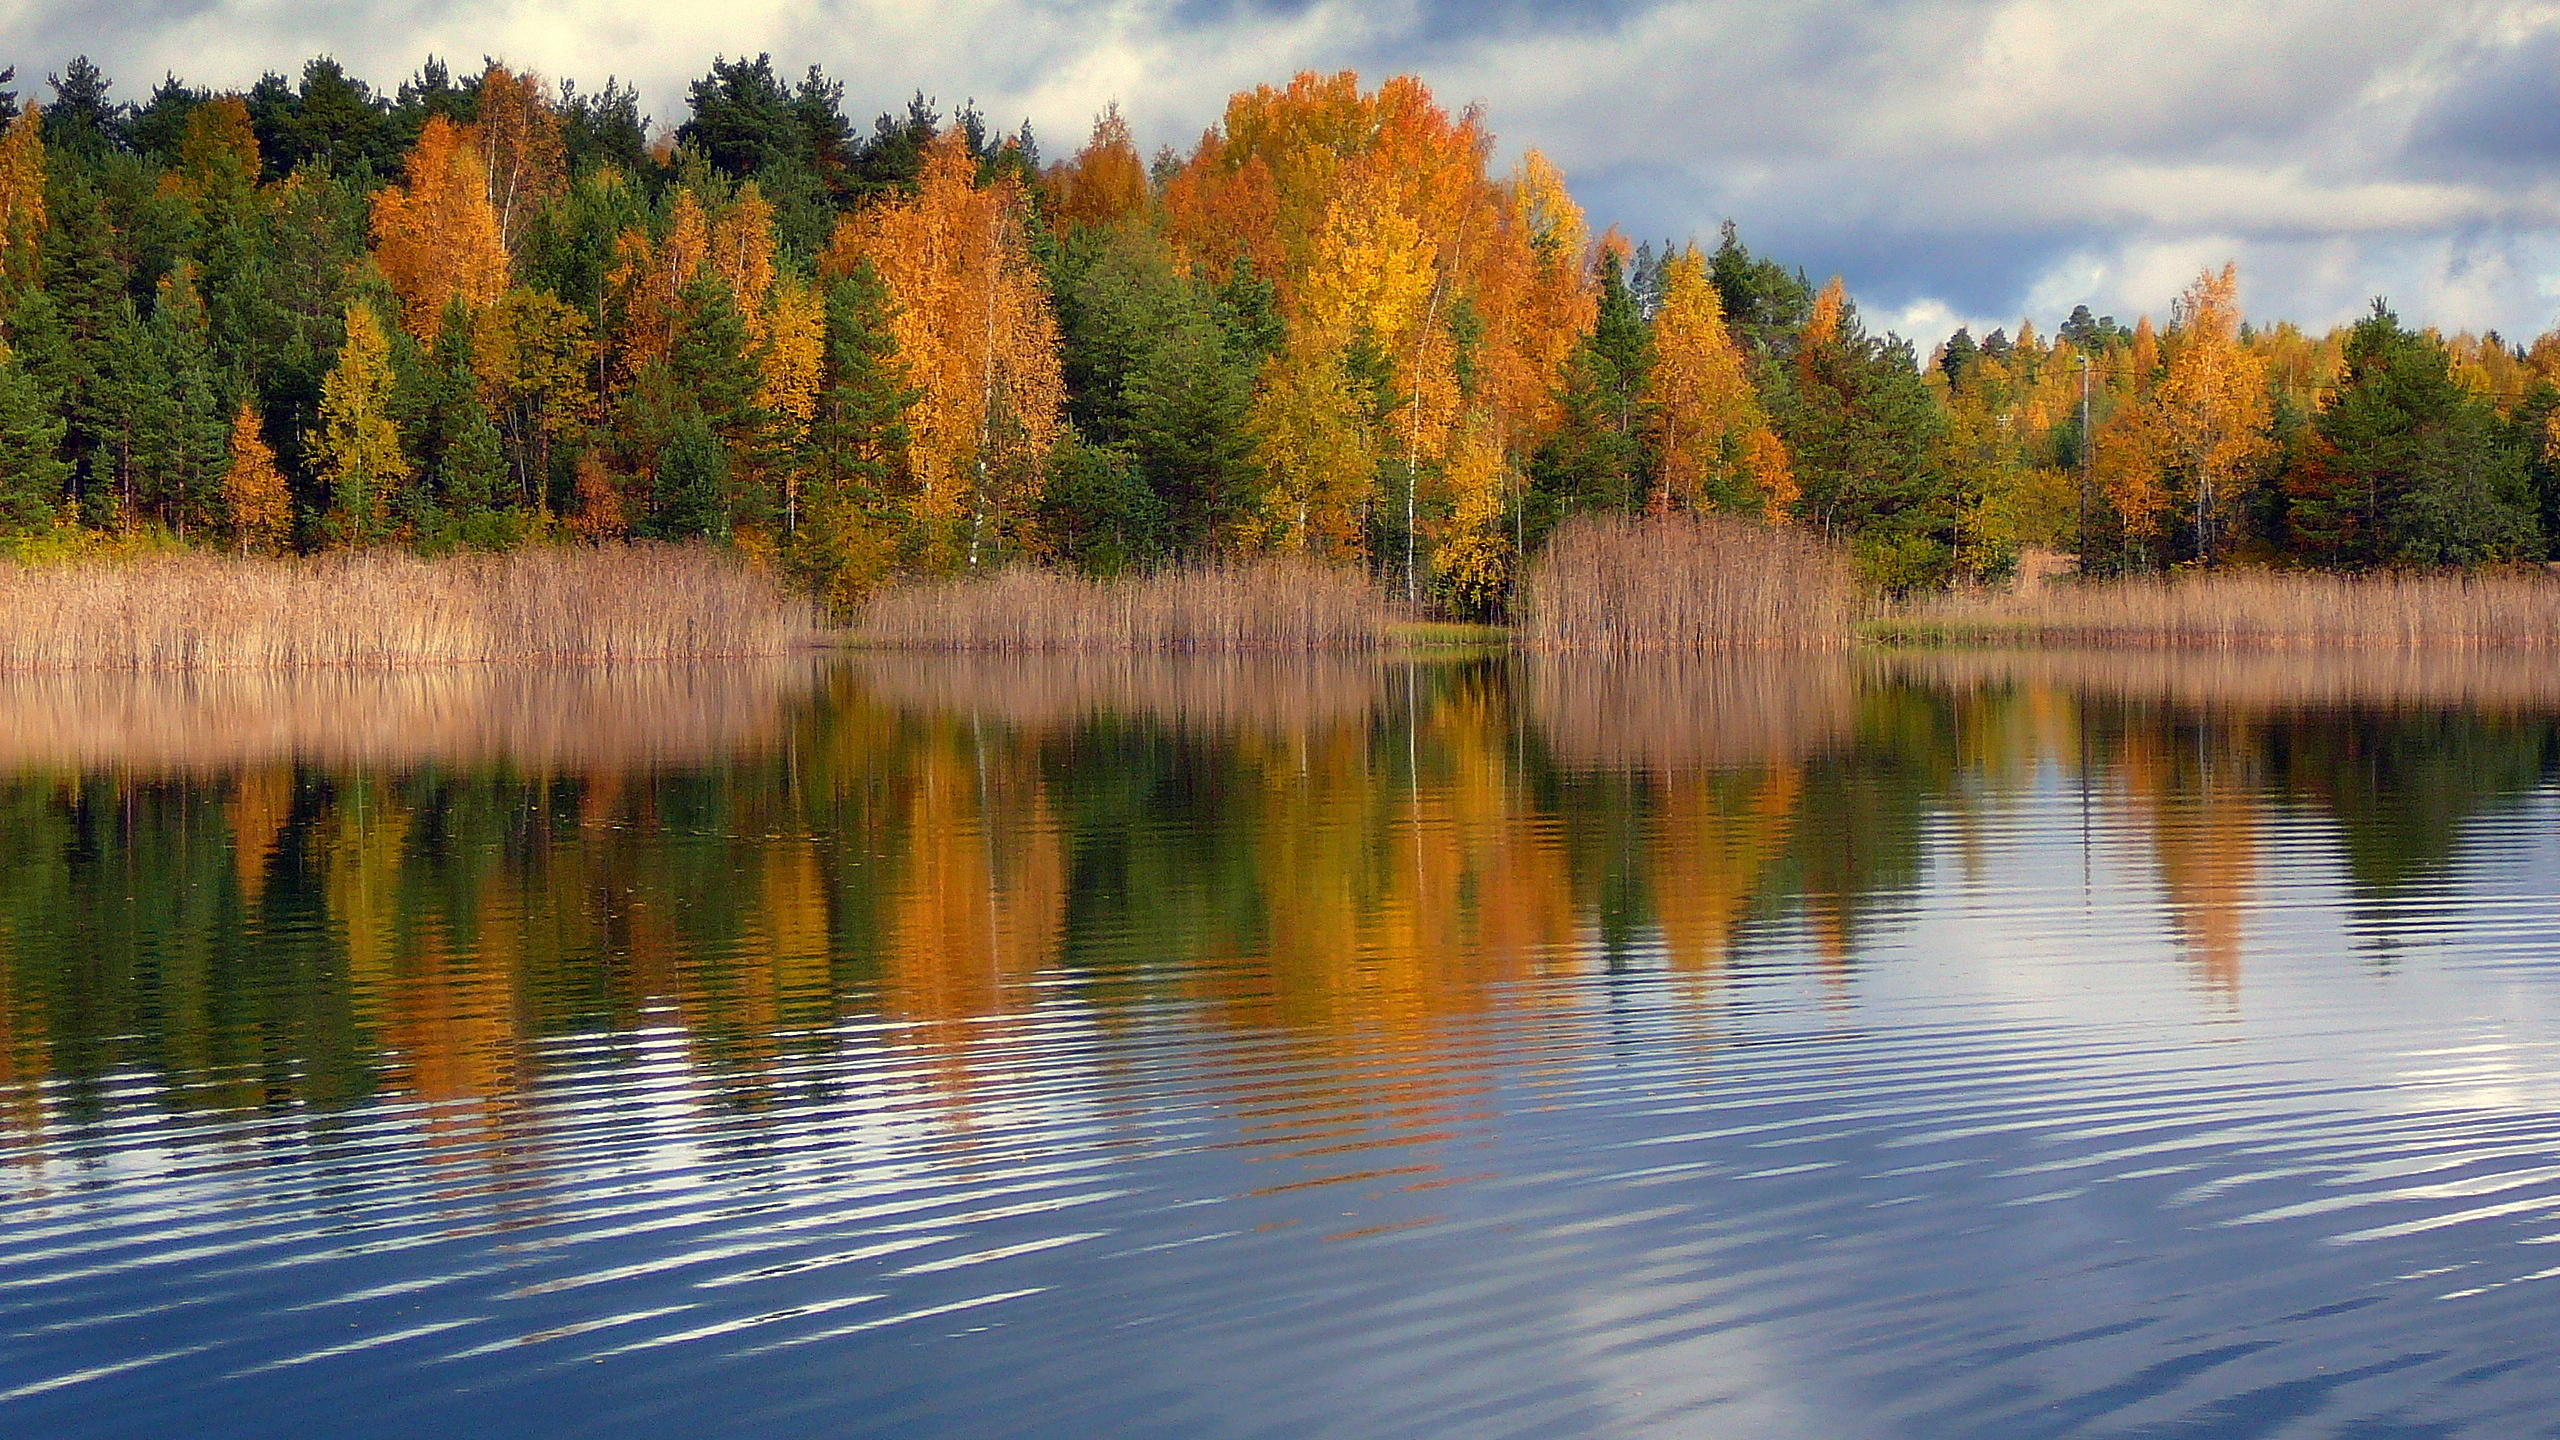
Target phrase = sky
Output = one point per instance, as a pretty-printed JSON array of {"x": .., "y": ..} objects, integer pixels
[{"x": 1956, "y": 161}]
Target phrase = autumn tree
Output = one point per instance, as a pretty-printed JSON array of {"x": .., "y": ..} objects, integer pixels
[
  {"x": 437, "y": 238},
  {"x": 1105, "y": 181},
  {"x": 1708, "y": 429},
  {"x": 22, "y": 209},
  {"x": 515, "y": 134},
  {"x": 355, "y": 450},
  {"x": 254, "y": 498},
  {"x": 976, "y": 337},
  {"x": 2212, "y": 403},
  {"x": 533, "y": 356}
]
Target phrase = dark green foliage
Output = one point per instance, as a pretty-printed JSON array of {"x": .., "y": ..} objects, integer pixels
[
  {"x": 2408, "y": 467},
  {"x": 1098, "y": 510},
  {"x": 471, "y": 475},
  {"x": 859, "y": 432},
  {"x": 429, "y": 93},
  {"x": 1764, "y": 302},
  {"x": 712, "y": 363},
  {"x": 160, "y": 124},
  {"x": 892, "y": 160},
  {"x": 332, "y": 120},
  {"x": 32, "y": 474},
  {"x": 603, "y": 129},
  {"x": 692, "y": 481},
  {"x": 1159, "y": 369},
  {"x": 1595, "y": 460},
  {"x": 82, "y": 121},
  {"x": 794, "y": 142},
  {"x": 1958, "y": 356},
  {"x": 2090, "y": 335},
  {"x": 1864, "y": 432}
]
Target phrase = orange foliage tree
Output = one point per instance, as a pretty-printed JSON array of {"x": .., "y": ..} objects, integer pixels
[
  {"x": 517, "y": 140},
  {"x": 253, "y": 489},
  {"x": 2213, "y": 409},
  {"x": 976, "y": 338},
  {"x": 1710, "y": 434},
  {"x": 22, "y": 200},
  {"x": 1104, "y": 181},
  {"x": 436, "y": 238},
  {"x": 1430, "y": 309}
]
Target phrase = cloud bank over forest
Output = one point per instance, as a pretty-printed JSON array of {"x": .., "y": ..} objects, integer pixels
[{"x": 1956, "y": 160}]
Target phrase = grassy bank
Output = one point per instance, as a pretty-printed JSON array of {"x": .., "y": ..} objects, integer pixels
[
  {"x": 2244, "y": 609},
  {"x": 1686, "y": 583},
  {"x": 386, "y": 609},
  {"x": 1267, "y": 606}
]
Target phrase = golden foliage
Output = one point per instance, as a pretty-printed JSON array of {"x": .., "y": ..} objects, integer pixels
[
  {"x": 1706, "y": 417},
  {"x": 1104, "y": 181},
  {"x": 599, "y": 515},
  {"x": 795, "y": 351},
  {"x": 356, "y": 449},
  {"x": 253, "y": 489},
  {"x": 22, "y": 214},
  {"x": 976, "y": 338},
  {"x": 219, "y": 141},
  {"x": 1822, "y": 327},
  {"x": 436, "y": 238},
  {"x": 533, "y": 350},
  {"x": 2212, "y": 403},
  {"x": 517, "y": 139}
]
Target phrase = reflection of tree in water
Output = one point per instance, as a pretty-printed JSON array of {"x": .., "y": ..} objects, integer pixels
[
  {"x": 1367, "y": 875},
  {"x": 2402, "y": 785}
]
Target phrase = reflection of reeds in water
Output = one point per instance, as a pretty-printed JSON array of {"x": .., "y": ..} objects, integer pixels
[
  {"x": 1274, "y": 605},
  {"x": 531, "y": 716},
  {"x": 381, "y": 608},
  {"x": 2259, "y": 680},
  {"x": 1690, "y": 582},
  {"x": 1199, "y": 693},
  {"x": 1671, "y": 713},
  {"x": 2263, "y": 609}
]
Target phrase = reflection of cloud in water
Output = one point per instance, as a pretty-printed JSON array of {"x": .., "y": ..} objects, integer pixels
[
  {"x": 1669, "y": 713},
  {"x": 530, "y": 716}
]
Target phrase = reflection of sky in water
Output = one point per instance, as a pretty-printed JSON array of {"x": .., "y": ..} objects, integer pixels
[{"x": 1892, "y": 1085}]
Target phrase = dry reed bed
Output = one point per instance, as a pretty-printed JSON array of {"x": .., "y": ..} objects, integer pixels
[
  {"x": 1209, "y": 694},
  {"x": 535, "y": 717},
  {"x": 2511, "y": 609},
  {"x": 2259, "y": 681},
  {"x": 386, "y": 609},
  {"x": 1671, "y": 713},
  {"x": 1685, "y": 583},
  {"x": 1271, "y": 606}
]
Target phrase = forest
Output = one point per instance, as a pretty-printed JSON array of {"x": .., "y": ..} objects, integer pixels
[{"x": 491, "y": 312}]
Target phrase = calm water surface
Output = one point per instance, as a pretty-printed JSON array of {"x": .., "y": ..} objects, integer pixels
[{"x": 1960, "y": 1047}]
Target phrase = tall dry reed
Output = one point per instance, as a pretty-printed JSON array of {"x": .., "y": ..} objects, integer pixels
[
  {"x": 382, "y": 609},
  {"x": 1271, "y": 606},
  {"x": 2264, "y": 609},
  {"x": 1687, "y": 582}
]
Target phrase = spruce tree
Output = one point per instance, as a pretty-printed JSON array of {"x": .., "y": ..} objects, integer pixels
[{"x": 32, "y": 472}]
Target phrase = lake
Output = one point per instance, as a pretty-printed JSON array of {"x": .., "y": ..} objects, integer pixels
[{"x": 1958, "y": 1045}]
